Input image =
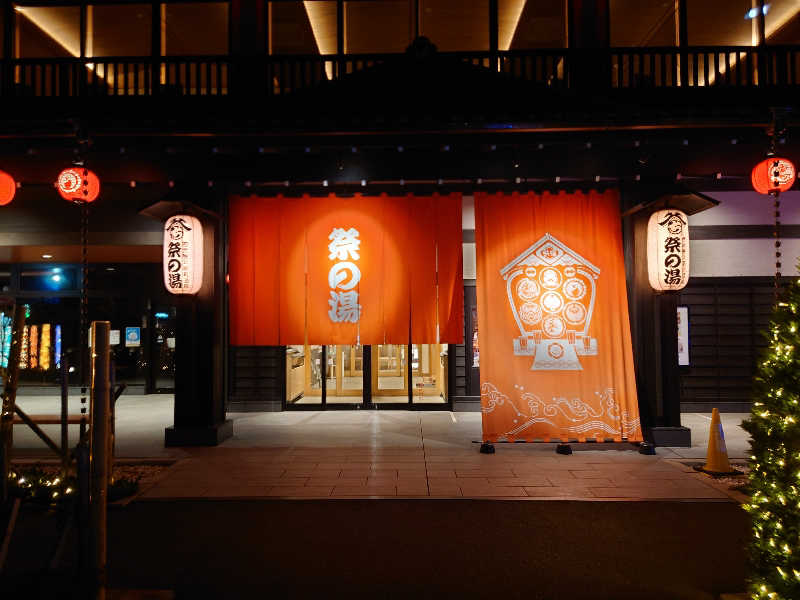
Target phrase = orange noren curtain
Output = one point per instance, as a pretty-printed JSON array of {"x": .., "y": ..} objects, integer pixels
[
  {"x": 336, "y": 270},
  {"x": 556, "y": 355}
]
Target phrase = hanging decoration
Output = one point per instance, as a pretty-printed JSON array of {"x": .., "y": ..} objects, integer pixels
[
  {"x": 8, "y": 187},
  {"x": 78, "y": 184},
  {"x": 773, "y": 175},
  {"x": 557, "y": 359},
  {"x": 668, "y": 250},
  {"x": 183, "y": 254}
]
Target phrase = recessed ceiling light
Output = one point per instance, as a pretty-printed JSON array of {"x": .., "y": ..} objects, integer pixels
[{"x": 47, "y": 256}]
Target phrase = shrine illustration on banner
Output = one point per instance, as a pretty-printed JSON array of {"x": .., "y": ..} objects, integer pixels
[{"x": 562, "y": 308}]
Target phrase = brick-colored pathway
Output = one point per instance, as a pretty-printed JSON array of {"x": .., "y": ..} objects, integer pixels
[{"x": 515, "y": 471}]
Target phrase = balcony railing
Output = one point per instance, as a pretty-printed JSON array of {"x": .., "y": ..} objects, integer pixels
[{"x": 268, "y": 76}]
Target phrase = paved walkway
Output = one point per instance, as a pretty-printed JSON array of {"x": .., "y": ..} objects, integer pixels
[{"x": 337, "y": 454}]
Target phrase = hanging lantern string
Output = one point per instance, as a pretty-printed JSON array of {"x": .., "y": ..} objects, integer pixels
[{"x": 777, "y": 234}]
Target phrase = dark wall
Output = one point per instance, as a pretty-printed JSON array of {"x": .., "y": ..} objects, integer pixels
[{"x": 727, "y": 320}]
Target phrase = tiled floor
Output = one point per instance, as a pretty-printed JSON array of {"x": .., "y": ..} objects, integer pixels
[
  {"x": 375, "y": 453},
  {"x": 513, "y": 472}
]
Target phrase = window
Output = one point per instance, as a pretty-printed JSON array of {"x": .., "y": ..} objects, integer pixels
[
  {"x": 381, "y": 26},
  {"x": 530, "y": 24},
  {"x": 719, "y": 23},
  {"x": 782, "y": 22},
  {"x": 454, "y": 25},
  {"x": 118, "y": 30},
  {"x": 642, "y": 23},
  {"x": 302, "y": 27},
  {"x": 194, "y": 28},
  {"x": 47, "y": 32}
]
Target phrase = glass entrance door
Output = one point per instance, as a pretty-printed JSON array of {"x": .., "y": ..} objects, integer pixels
[
  {"x": 345, "y": 378},
  {"x": 389, "y": 373},
  {"x": 428, "y": 373}
]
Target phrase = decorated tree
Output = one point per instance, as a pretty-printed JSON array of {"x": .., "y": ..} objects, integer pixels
[{"x": 774, "y": 427}]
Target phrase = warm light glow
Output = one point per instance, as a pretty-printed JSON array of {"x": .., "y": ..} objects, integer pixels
[
  {"x": 78, "y": 184},
  {"x": 773, "y": 175},
  {"x": 508, "y": 21},
  {"x": 44, "y": 348},
  {"x": 322, "y": 16},
  {"x": 668, "y": 250},
  {"x": 8, "y": 187},
  {"x": 183, "y": 254}
]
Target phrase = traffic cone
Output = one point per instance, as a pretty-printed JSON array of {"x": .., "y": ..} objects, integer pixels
[{"x": 717, "y": 462}]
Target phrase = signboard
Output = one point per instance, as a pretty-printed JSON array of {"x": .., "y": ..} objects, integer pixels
[
  {"x": 133, "y": 337},
  {"x": 114, "y": 337},
  {"x": 183, "y": 254},
  {"x": 683, "y": 336},
  {"x": 668, "y": 250}
]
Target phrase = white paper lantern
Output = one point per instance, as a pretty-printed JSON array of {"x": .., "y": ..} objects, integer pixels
[
  {"x": 183, "y": 254},
  {"x": 668, "y": 250}
]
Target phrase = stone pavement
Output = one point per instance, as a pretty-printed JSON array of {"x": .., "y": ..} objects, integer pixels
[{"x": 376, "y": 453}]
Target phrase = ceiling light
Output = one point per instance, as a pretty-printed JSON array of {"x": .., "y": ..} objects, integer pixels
[{"x": 47, "y": 256}]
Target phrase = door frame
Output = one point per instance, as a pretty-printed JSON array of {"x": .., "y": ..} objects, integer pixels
[{"x": 405, "y": 402}]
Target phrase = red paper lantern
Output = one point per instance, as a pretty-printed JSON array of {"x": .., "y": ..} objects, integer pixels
[
  {"x": 773, "y": 175},
  {"x": 78, "y": 184},
  {"x": 8, "y": 187}
]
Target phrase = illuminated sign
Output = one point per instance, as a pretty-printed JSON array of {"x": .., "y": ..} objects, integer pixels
[
  {"x": 344, "y": 275},
  {"x": 183, "y": 254},
  {"x": 668, "y": 250}
]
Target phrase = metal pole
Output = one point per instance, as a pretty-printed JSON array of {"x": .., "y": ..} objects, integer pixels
[
  {"x": 64, "y": 418},
  {"x": 112, "y": 407},
  {"x": 10, "y": 397},
  {"x": 100, "y": 402}
]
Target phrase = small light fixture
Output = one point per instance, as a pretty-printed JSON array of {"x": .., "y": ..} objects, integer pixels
[
  {"x": 324, "y": 183},
  {"x": 110, "y": 269},
  {"x": 47, "y": 256},
  {"x": 132, "y": 183},
  {"x": 363, "y": 182}
]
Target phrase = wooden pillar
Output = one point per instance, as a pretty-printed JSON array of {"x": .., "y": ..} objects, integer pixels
[
  {"x": 588, "y": 24},
  {"x": 199, "y": 352},
  {"x": 655, "y": 346},
  {"x": 589, "y": 27}
]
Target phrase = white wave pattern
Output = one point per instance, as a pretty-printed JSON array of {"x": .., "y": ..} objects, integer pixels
[{"x": 605, "y": 417}]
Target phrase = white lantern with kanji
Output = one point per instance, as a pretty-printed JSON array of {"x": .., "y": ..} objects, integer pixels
[
  {"x": 668, "y": 250},
  {"x": 183, "y": 254}
]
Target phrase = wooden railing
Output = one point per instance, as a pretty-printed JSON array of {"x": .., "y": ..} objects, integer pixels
[{"x": 613, "y": 68}]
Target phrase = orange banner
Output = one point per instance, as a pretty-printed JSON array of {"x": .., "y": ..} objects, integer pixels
[
  {"x": 556, "y": 356},
  {"x": 336, "y": 270}
]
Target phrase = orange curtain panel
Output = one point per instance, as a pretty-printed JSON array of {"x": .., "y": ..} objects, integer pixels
[
  {"x": 556, "y": 356},
  {"x": 345, "y": 270}
]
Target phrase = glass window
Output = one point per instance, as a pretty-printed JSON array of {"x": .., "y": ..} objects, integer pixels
[
  {"x": 302, "y": 27},
  {"x": 428, "y": 373},
  {"x": 533, "y": 24},
  {"x": 454, "y": 25},
  {"x": 782, "y": 22},
  {"x": 194, "y": 28},
  {"x": 47, "y": 32},
  {"x": 118, "y": 30},
  {"x": 719, "y": 22},
  {"x": 381, "y": 26},
  {"x": 642, "y": 22},
  {"x": 50, "y": 279}
]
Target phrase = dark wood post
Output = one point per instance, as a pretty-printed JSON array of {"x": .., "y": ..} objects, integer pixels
[
  {"x": 199, "y": 347},
  {"x": 589, "y": 27},
  {"x": 655, "y": 346}
]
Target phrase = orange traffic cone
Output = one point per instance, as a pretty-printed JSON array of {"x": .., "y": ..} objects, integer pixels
[{"x": 717, "y": 456}]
